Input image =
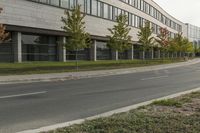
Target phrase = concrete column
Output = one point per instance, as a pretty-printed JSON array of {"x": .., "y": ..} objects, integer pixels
[
  {"x": 180, "y": 54},
  {"x": 163, "y": 54},
  {"x": 152, "y": 53},
  {"x": 158, "y": 54},
  {"x": 115, "y": 55},
  {"x": 62, "y": 49},
  {"x": 143, "y": 55},
  {"x": 17, "y": 46},
  {"x": 131, "y": 53},
  {"x": 93, "y": 51}
]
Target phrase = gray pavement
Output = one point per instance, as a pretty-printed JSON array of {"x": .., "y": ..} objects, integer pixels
[{"x": 34, "y": 105}]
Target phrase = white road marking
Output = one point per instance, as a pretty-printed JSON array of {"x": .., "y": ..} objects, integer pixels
[
  {"x": 155, "y": 78},
  {"x": 25, "y": 94},
  {"x": 166, "y": 71}
]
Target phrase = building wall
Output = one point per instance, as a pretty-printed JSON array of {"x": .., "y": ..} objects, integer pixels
[
  {"x": 31, "y": 14},
  {"x": 26, "y": 17},
  {"x": 193, "y": 34}
]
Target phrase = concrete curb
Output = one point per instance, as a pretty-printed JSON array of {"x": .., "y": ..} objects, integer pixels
[
  {"x": 107, "y": 114},
  {"x": 88, "y": 74}
]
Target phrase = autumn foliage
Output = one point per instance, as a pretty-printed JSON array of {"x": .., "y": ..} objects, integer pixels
[
  {"x": 3, "y": 34},
  {"x": 163, "y": 38}
]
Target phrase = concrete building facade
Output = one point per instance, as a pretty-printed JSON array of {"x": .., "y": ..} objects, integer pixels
[
  {"x": 193, "y": 34},
  {"x": 36, "y": 34}
]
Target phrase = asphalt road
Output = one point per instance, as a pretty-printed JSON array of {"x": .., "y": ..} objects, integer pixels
[{"x": 33, "y": 105}]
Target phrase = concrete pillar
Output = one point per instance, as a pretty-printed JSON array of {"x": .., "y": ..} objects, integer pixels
[
  {"x": 17, "y": 46},
  {"x": 93, "y": 51},
  {"x": 158, "y": 54},
  {"x": 62, "y": 49},
  {"x": 163, "y": 54},
  {"x": 152, "y": 53},
  {"x": 143, "y": 55},
  {"x": 115, "y": 55},
  {"x": 131, "y": 53}
]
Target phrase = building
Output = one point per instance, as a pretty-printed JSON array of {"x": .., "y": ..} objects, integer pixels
[
  {"x": 193, "y": 34},
  {"x": 36, "y": 34}
]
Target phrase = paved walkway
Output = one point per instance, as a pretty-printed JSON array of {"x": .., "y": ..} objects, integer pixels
[{"x": 87, "y": 74}]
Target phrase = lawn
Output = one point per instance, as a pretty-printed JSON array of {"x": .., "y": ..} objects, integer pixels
[
  {"x": 58, "y": 67},
  {"x": 178, "y": 115}
]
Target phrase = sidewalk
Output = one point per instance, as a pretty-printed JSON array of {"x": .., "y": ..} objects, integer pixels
[{"x": 87, "y": 74}]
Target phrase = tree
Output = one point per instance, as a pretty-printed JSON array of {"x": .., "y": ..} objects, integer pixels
[
  {"x": 163, "y": 39},
  {"x": 3, "y": 34},
  {"x": 120, "y": 39},
  {"x": 74, "y": 26},
  {"x": 178, "y": 42},
  {"x": 182, "y": 44},
  {"x": 145, "y": 37},
  {"x": 187, "y": 46},
  {"x": 196, "y": 49}
]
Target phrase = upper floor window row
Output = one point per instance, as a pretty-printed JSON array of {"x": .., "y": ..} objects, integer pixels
[
  {"x": 150, "y": 10},
  {"x": 102, "y": 10}
]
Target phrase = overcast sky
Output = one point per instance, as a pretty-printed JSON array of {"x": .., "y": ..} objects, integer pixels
[{"x": 187, "y": 11}]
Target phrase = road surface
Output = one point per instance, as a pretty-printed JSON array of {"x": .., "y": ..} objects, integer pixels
[{"x": 34, "y": 105}]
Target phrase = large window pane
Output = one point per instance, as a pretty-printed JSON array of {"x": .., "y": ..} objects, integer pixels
[
  {"x": 94, "y": 7},
  {"x": 88, "y": 6},
  {"x": 82, "y": 4},
  {"x": 55, "y": 2},
  {"x": 64, "y": 3},
  {"x": 105, "y": 15},
  {"x": 72, "y": 4}
]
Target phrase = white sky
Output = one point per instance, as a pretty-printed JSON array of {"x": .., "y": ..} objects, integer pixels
[{"x": 187, "y": 11}]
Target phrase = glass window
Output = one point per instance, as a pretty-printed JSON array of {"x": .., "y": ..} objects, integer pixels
[
  {"x": 133, "y": 20},
  {"x": 44, "y": 1},
  {"x": 119, "y": 12},
  {"x": 115, "y": 13},
  {"x": 106, "y": 12},
  {"x": 139, "y": 4},
  {"x": 151, "y": 11},
  {"x": 142, "y": 5},
  {"x": 94, "y": 7},
  {"x": 147, "y": 8},
  {"x": 103, "y": 52},
  {"x": 72, "y": 4},
  {"x": 100, "y": 9},
  {"x": 88, "y": 6},
  {"x": 82, "y": 3},
  {"x": 55, "y": 2},
  {"x": 136, "y": 3},
  {"x": 64, "y": 3},
  {"x": 136, "y": 21},
  {"x": 110, "y": 12},
  {"x": 130, "y": 19}
]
